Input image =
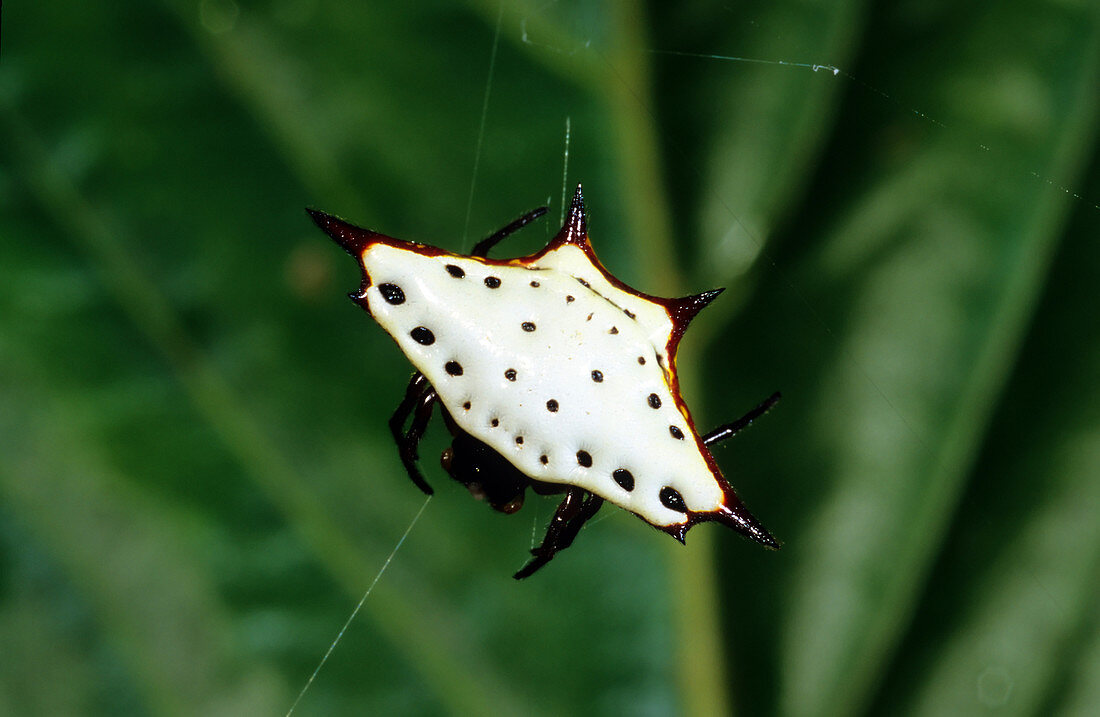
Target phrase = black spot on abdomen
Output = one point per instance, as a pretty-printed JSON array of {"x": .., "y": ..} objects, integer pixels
[
  {"x": 392, "y": 293},
  {"x": 671, "y": 499},
  {"x": 422, "y": 335}
]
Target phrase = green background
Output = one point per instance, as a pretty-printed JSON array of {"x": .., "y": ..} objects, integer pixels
[{"x": 196, "y": 483}]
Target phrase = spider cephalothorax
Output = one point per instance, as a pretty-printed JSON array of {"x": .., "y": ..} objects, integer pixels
[{"x": 552, "y": 374}]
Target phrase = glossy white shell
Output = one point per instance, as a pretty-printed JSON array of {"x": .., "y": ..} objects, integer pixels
[{"x": 613, "y": 420}]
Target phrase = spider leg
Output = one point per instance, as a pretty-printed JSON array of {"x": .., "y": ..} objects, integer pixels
[
  {"x": 421, "y": 417},
  {"x": 482, "y": 248},
  {"x": 417, "y": 394},
  {"x": 573, "y": 512},
  {"x": 729, "y": 430}
]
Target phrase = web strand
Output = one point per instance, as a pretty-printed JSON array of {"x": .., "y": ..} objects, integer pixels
[
  {"x": 753, "y": 60},
  {"x": 465, "y": 239},
  {"x": 481, "y": 127},
  {"x": 836, "y": 71},
  {"x": 359, "y": 606},
  {"x": 565, "y": 171}
]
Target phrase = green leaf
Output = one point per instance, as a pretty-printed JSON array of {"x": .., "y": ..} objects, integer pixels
[{"x": 915, "y": 275}]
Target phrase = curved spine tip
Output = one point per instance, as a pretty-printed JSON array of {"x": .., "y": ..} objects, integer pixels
[
  {"x": 683, "y": 310},
  {"x": 353, "y": 239},
  {"x": 575, "y": 230},
  {"x": 740, "y": 519}
]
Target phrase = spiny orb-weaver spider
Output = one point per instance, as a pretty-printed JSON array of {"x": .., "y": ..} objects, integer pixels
[{"x": 550, "y": 373}]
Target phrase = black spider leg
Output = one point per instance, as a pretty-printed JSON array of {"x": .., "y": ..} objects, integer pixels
[
  {"x": 574, "y": 510},
  {"x": 482, "y": 248},
  {"x": 419, "y": 396},
  {"x": 730, "y": 430}
]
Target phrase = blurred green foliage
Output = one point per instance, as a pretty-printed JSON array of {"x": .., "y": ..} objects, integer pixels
[{"x": 196, "y": 483}]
